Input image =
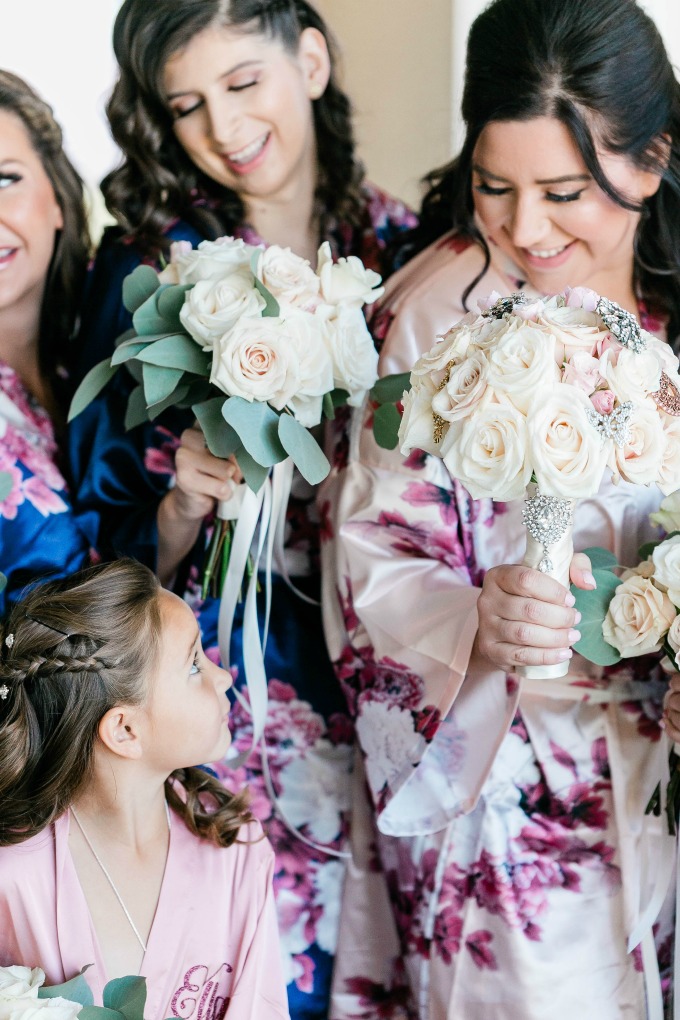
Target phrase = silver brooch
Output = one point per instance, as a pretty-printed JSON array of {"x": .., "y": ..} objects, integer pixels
[
  {"x": 4, "y": 691},
  {"x": 622, "y": 324},
  {"x": 547, "y": 518},
  {"x": 9, "y": 640},
  {"x": 505, "y": 305},
  {"x": 614, "y": 426}
]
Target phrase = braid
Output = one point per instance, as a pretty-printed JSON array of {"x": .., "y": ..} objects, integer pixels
[{"x": 18, "y": 669}]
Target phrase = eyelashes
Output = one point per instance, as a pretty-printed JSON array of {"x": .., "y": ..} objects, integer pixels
[
  {"x": 7, "y": 179},
  {"x": 550, "y": 196},
  {"x": 178, "y": 114}
]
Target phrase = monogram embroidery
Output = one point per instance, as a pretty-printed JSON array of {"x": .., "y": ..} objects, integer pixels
[{"x": 197, "y": 999}]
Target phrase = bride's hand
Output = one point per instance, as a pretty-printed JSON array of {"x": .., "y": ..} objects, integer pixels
[{"x": 201, "y": 478}]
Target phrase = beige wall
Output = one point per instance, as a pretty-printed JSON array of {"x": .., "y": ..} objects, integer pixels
[{"x": 396, "y": 58}]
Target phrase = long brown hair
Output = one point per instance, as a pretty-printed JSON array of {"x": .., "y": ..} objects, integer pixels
[
  {"x": 68, "y": 266},
  {"x": 157, "y": 182},
  {"x": 71, "y": 650}
]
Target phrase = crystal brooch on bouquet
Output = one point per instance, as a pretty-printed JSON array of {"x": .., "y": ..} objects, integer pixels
[
  {"x": 547, "y": 518},
  {"x": 615, "y": 426},
  {"x": 622, "y": 325},
  {"x": 505, "y": 305},
  {"x": 667, "y": 397}
]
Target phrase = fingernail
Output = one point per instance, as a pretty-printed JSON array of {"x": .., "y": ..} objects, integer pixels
[
  {"x": 564, "y": 654},
  {"x": 662, "y": 724},
  {"x": 590, "y": 580},
  {"x": 570, "y": 600},
  {"x": 574, "y": 636},
  {"x": 577, "y": 618}
]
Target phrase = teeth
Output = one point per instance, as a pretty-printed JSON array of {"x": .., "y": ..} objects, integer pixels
[
  {"x": 546, "y": 254},
  {"x": 4, "y": 252},
  {"x": 249, "y": 152}
]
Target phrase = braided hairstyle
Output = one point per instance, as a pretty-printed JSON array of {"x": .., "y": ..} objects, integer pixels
[
  {"x": 157, "y": 182},
  {"x": 66, "y": 273},
  {"x": 602, "y": 70},
  {"x": 70, "y": 651}
]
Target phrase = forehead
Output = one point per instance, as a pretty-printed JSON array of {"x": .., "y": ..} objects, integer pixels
[
  {"x": 15, "y": 142},
  {"x": 215, "y": 51},
  {"x": 537, "y": 149}
]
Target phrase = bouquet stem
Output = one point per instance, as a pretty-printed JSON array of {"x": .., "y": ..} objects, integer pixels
[{"x": 549, "y": 523}]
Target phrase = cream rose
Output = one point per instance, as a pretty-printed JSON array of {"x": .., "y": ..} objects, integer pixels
[
  {"x": 212, "y": 307},
  {"x": 346, "y": 281},
  {"x": 567, "y": 453},
  {"x": 668, "y": 514},
  {"x": 666, "y": 558},
  {"x": 583, "y": 370},
  {"x": 632, "y": 376},
  {"x": 416, "y": 431},
  {"x": 522, "y": 362},
  {"x": 22, "y": 982},
  {"x": 638, "y": 617},
  {"x": 353, "y": 354},
  {"x": 574, "y": 330},
  {"x": 644, "y": 569},
  {"x": 288, "y": 277},
  {"x": 450, "y": 347},
  {"x": 674, "y": 639},
  {"x": 213, "y": 260},
  {"x": 640, "y": 460},
  {"x": 487, "y": 452},
  {"x": 305, "y": 335},
  {"x": 256, "y": 361},
  {"x": 171, "y": 272},
  {"x": 467, "y": 384}
]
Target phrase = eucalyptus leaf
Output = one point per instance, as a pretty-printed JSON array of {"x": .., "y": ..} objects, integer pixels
[
  {"x": 128, "y": 350},
  {"x": 77, "y": 990},
  {"x": 646, "y": 550},
  {"x": 99, "y": 1013},
  {"x": 601, "y": 559},
  {"x": 172, "y": 400},
  {"x": 178, "y": 351},
  {"x": 128, "y": 335},
  {"x": 271, "y": 309},
  {"x": 159, "y": 382},
  {"x": 134, "y": 367},
  {"x": 257, "y": 426},
  {"x": 136, "y": 412},
  {"x": 390, "y": 389},
  {"x": 339, "y": 397},
  {"x": 198, "y": 392},
  {"x": 386, "y": 422},
  {"x": 6, "y": 485},
  {"x": 328, "y": 406},
  {"x": 139, "y": 286},
  {"x": 221, "y": 438},
  {"x": 127, "y": 995},
  {"x": 171, "y": 301},
  {"x": 92, "y": 385},
  {"x": 148, "y": 319},
  {"x": 303, "y": 449},
  {"x": 253, "y": 473},
  {"x": 593, "y": 606}
]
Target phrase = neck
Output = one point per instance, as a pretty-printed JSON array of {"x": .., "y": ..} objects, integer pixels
[
  {"x": 124, "y": 806},
  {"x": 289, "y": 219},
  {"x": 19, "y": 333}
]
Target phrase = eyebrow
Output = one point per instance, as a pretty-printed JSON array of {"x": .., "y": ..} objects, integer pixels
[
  {"x": 552, "y": 180},
  {"x": 232, "y": 70},
  {"x": 192, "y": 646}
]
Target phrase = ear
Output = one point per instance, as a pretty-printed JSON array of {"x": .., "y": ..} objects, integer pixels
[
  {"x": 315, "y": 61},
  {"x": 120, "y": 731},
  {"x": 660, "y": 154}
]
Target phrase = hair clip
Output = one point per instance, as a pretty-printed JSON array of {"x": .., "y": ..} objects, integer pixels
[
  {"x": 4, "y": 691},
  {"x": 9, "y": 640},
  {"x": 48, "y": 626}
]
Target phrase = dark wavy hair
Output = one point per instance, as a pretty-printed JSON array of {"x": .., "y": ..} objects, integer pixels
[
  {"x": 602, "y": 70},
  {"x": 80, "y": 646},
  {"x": 157, "y": 182},
  {"x": 68, "y": 266}
]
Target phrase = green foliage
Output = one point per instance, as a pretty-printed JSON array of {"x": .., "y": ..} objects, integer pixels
[
  {"x": 130, "y": 349},
  {"x": 126, "y": 995},
  {"x": 138, "y": 287},
  {"x": 93, "y": 383},
  {"x": 303, "y": 449},
  {"x": 136, "y": 412},
  {"x": 390, "y": 389},
  {"x": 593, "y": 606},
  {"x": 159, "y": 382},
  {"x": 257, "y": 426},
  {"x": 177, "y": 350},
  {"x": 253, "y": 473},
  {"x": 221, "y": 438},
  {"x": 271, "y": 308},
  {"x": 601, "y": 559},
  {"x": 386, "y": 422}
]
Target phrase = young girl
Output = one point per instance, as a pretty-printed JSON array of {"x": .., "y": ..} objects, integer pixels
[
  {"x": 509, "y": 813},
  {"x": 232, "y": 121},
  {"x": 115, "y": 850},
  {"x": 44, "y": 247}
]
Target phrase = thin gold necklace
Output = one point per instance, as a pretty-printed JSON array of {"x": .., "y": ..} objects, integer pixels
[{"x": 99, "y": 861}]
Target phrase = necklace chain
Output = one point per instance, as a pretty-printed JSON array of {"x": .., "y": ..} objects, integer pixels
[{"x": 99, "y": 861}]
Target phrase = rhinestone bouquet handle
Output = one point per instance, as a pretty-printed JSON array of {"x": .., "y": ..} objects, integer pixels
[{"x": 549, "y": 522}]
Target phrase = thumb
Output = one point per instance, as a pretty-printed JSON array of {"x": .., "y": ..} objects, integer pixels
[{"x": 581, "y": 572}]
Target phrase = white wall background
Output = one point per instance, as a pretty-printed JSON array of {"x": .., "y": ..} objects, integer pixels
[{"x": 402, "y": 62}]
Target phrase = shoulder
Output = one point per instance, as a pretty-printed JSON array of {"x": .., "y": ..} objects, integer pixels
[
  {"x": 251, "y": 852},
  {"x": 28, "y": 865},
  {"x": 124, "y": 250}
]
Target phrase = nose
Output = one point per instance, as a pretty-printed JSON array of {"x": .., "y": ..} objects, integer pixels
[
  {"x": 222, "y": 119},
  {"x": 529, "y": 223}
]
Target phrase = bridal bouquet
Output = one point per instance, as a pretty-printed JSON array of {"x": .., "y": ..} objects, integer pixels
[
  {"x": 544, "y": 397},
  {"x": 24, "y": 996}
]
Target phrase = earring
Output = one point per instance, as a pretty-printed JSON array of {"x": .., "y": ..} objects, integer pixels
[{"x": 316, "y": 90}]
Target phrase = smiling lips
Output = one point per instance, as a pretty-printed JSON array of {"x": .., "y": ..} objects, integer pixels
[
  {"x": 6, "y": 255},
  {"x": 547, "y": 258},
  {"x": 245, "y": 159}
]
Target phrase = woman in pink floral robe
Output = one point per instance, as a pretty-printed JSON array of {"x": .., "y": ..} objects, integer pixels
[{"x": 498, "y": 863}]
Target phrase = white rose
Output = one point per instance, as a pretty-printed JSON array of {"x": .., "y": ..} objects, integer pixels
[
  {"x": 487, "y": 452},
  {"x": 574, "y": 329},
  {"x": 213, "y": 260},
  {"x": 668, "y": 514},
  {"x": 212, "y": 307},
  {"x": 669, "y": 471},
  {"x": 305, "y": 335},
  {"x": 467, "y": 384},
  {"x": 487, "y": 333},
  {"x": 640, "y": 460},
  {"x": 665, "y": 355},
  {"x": 353, "y": 353},
  {"x": 416, "y": 431},
  {"x": 523, "y": 362},
  {"x": 632, "y": 376},
  {"x": 451, "y": 346},
  {"x": 638, "y": 617},
  {"x": 583, "y": 370},
  {"x": 256, "y": 361},
  {"x": 566, "y": 452},
  {"x": 288, "y": 277},
  {"x": 20, "y": 981},
  {"x": 666, "y": 559},
  {"x": 171, "y": 272},
  {"x": 347, "y": 281}
]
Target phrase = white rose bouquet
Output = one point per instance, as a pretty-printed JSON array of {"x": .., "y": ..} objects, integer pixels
[
  {"x": 258, "y": 344},
  {"x": 24, "y": 996},
  {"x": 541, "y": 398}
]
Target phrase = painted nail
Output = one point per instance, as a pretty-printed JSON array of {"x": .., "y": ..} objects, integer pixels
[
  {"x": 569, "y": 600},
  {"x": 577, "y": 618},
  {"x": 564, "y": 654},
  {"x": 574, "y": 636},
  {"x": 590, "y": 580}
]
